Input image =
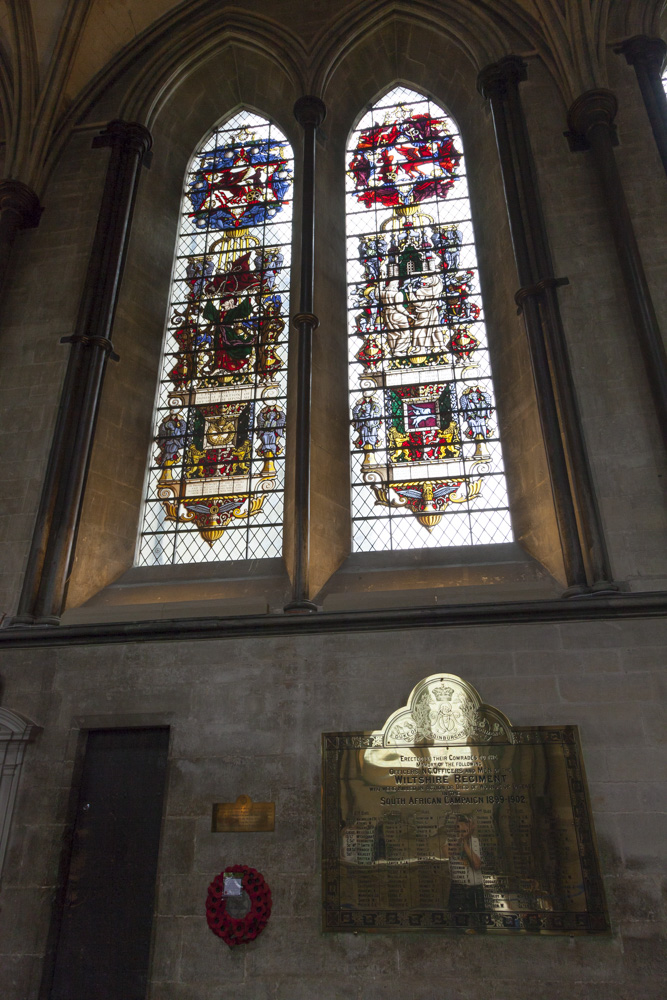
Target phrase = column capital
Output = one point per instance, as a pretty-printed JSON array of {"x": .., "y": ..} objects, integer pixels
[
  {"x": 310, "y": 111},
  {"x": 644, "y": 50},
  {"x": 133, "y": 136},
  {"x": 15, "y": 196},
  {"x": 590, "y": 110},
  {"x": 495, "y": 79}
]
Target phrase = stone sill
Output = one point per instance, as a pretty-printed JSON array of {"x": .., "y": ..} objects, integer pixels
[
  {"x": 198, "y": 590},
  {"x": 437, "y": 576},
  {"x": 365, "y": 581}
]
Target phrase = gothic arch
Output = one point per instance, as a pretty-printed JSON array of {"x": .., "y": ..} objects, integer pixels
[
  {"x": 15, "y": 733},
  {"x": 571, "y": 37},
  {"x": 637, "y": 17},
  {"x": 418, "y": 354},
  {"x": 185, "y": 102},
  {"x": 176, "y": 58},
  {"x": 201, "y": 98},
  {"x": 216, "y": 474},
  {"x": 149, "y": 72},
  {"x": 369, "y": 69},
  {"x": 471, "y": 29}
]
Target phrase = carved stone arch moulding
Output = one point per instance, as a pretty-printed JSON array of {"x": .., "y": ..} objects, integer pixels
[
  {"x": 160, "y": 58},
  {"x": 570, "y": 36},
  {"x": 169, "y": 66},
  {"x": 442, "y": 710},
  {"x": 479, "y": 35},
  {"x": 15, "y": 732},
  {"x": 637, "y": 17}
]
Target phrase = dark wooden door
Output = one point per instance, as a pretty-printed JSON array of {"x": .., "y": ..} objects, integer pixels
[{"x": 103, "y": 945}]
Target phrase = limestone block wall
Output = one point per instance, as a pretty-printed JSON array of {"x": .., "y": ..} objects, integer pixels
[
  {"x": 39, "y": 307},
  {"x": 606, "y": 360},
  {"x": 246, "y": 718}
]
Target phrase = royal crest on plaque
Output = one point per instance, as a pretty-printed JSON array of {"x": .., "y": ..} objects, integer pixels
[{"x": 445, "y": 710}]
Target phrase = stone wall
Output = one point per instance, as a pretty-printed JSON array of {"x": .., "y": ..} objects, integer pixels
[
  {"x": 246, "y": 718},
  {"x": 39, "y": 307}
]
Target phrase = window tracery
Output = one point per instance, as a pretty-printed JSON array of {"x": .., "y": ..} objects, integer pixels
[
  {"x": 426, "y": 459},
  {"x": 216, "y": 476}
]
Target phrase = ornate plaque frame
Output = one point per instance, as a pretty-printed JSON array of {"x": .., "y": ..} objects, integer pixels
[{"x": 450, "y": 818}]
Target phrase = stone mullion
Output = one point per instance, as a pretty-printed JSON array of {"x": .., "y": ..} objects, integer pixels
[
  {"x": 499, "y": 82},
  {"x": 309, "y": 112},
  {"x": 591, "y": 124},
  {"x": 647, "y": 55},
  {"x": 53, "y": 542}
]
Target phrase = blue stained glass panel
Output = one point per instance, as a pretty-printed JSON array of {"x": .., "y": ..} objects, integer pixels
[{"x": 215, "y": 482}]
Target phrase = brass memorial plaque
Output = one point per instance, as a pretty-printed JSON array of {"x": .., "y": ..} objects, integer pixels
[
  {"x": 243, "y": 816},
  {"x": 449, "y": 818}
]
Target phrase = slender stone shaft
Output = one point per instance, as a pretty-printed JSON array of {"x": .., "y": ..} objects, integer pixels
[
  {"x": 647, "y": 55},
  {"x": 309, "y": 112},
  {"x": 591, "y": 123},
  {"x": 19, "y": 209},
  {"x": 49, "y": 561},
  {"x": 539, "y": 305}
]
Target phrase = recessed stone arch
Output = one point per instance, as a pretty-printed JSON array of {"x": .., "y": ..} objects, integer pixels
[
  {"x": 399, "y": 51},
  {"x": 204, "y": 96},
  {"x": 482, "y": 36},
  {"x": 148, "y": 73},
  {"x": 15, "y": 733}
]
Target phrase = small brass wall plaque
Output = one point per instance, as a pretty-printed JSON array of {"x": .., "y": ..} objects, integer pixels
[
  {"x": 243, "y": 816},
  {"x": 449, "y": 818}
]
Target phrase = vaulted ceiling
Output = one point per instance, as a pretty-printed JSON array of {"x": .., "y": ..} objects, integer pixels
[{"x": 57, "y": 56}]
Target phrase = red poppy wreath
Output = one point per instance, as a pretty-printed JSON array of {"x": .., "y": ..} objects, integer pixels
[{"x": 238, "y": 929}]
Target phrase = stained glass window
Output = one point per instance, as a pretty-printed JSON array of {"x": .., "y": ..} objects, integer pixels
[
  {"x": 216, "y": 473},
  {"x": 427, "y": 466}
]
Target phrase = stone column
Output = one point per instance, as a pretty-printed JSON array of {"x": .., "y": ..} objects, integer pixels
[
  {"x": 647, "y": 55},
  {"x": 52, "y": 550},
  {"x": 19, "y": 209},
  {"x": 537, "y": 299},
  {"x": 591, "y": 124},
  {"x": 309, "y": 112}
]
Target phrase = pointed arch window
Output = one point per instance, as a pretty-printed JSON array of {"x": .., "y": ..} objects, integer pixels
[
  {"x": 216, "y": 471},
  {"x": 427, "y": 466}
]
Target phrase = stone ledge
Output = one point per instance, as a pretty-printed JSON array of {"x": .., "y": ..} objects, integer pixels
[{"x": 587, "y": 608}]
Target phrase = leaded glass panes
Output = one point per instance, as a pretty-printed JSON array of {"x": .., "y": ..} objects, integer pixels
[
  {"x": 426, "y": 460},
  {"x": 216, "y": 476}
]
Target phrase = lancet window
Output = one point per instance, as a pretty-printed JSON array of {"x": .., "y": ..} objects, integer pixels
[
  {"x": 427, "y": 466},
  {"x": 216, "y": 472}
]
